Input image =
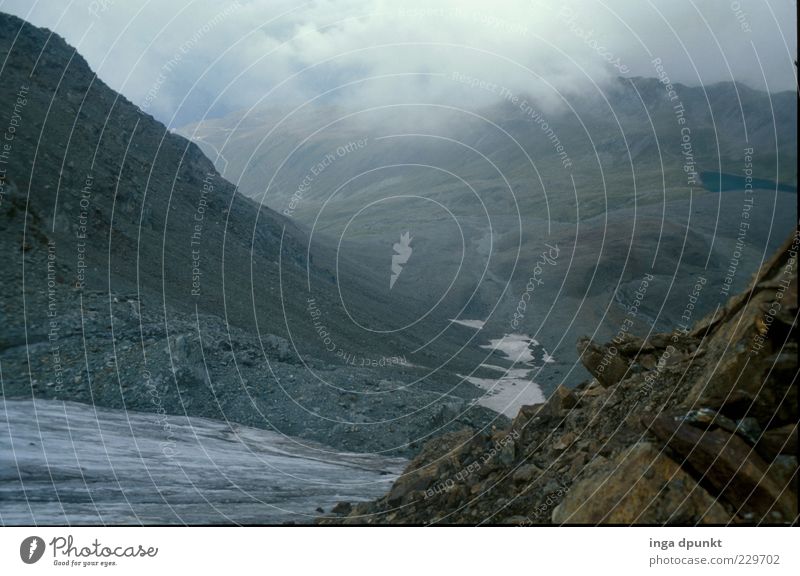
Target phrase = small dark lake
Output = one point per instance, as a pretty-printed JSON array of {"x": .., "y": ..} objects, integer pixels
[{"x": 723, "y": 182}]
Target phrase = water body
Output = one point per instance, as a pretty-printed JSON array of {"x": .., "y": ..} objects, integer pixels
[
  {"x": 724, "y": 182},
  {"x": 69, "y": 463}
]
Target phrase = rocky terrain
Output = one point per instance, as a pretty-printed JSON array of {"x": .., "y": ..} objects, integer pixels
[
  {"x": 136, "y": 277},
  {"x": 139, "y": 287},
  {"x": 198, "y": 366},
  {"x": 696, "y": 426}
]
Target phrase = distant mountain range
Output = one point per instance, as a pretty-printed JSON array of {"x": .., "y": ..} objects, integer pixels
[
  {"x": 634, "y": 136},
  {"x": 623, "y": 180}
]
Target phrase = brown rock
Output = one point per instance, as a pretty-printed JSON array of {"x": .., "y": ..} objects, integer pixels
[
  {"x": 561, "y": 401},
  {"x": 577, "y": 464},
  {"x": 647, "y": 361},
  {"x": 754, "y": 351},
  {"x": 407, "y": 486},
  {"x": 640, "y": 486},
  {"x": 527, "y": 473},
  {"x": 729, "y": 465},
  {"x": 525, "y": 414},
  {"x": 603, "y": 362},
  {"x": 594, "y": 389},
  {"x": 565, "y": 441},
  {"x": 565, "y": 397}
]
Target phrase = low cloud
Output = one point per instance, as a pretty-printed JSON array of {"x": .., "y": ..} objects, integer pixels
[{"x": 183, "y": 60}]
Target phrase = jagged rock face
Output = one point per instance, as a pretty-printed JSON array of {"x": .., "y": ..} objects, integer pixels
[
  {"x": 758, "y": 351},
  {"x": 694, "y": 427}
]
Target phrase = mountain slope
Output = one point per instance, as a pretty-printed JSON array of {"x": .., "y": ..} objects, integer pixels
[
  {"x": 607, "y": 177},
  {"x": 137, "y": 277}
]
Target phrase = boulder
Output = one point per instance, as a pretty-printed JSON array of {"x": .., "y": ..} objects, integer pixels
[
  {"x": 729, "y": 466},
  {"x": 527, "y": 473},
  {"x": 564, "y": 442},
  {"x": 640, "y": 486},
  {"x": 560, "y": 402},
  {"x": 603, "y": 362}
]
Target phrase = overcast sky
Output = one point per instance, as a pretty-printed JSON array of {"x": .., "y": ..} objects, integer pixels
[{"x": 184, "y": 59}]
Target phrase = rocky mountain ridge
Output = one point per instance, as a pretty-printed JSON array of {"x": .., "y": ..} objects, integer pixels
[{"x": 698, "y": 426}]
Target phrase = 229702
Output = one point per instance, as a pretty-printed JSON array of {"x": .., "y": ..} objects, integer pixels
[{"x": 758, "y": 559}]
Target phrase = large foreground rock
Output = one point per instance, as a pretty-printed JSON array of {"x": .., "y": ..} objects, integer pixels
[{"x": 641, "y": 485}]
